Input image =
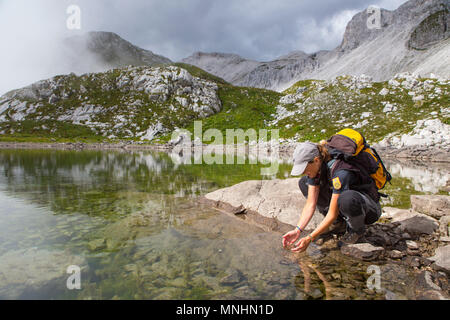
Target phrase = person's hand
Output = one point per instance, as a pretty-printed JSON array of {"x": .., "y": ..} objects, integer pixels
[
  {"x": 290, "y": 237},
  {"x": 302, "y": 245}
]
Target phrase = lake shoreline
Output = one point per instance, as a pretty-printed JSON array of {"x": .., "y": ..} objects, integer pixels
[{"x": 423, "y": 153}]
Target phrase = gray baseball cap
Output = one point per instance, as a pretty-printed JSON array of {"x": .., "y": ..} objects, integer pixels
[{"x": 304, "y": 153}]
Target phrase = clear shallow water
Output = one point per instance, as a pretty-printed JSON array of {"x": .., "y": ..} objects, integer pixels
[{"x": 133, "y": 224}]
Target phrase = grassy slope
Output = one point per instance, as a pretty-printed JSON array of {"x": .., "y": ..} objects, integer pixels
[
  {"x": 335, "y": 106},
  {"x": 326, "y": 109}
]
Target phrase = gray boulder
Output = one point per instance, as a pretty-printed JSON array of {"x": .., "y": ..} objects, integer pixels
[
  {"x": 415, "y": 223},
  {"x": 272, "y": 200}
]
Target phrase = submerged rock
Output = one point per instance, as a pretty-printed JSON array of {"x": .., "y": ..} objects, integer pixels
[
  {"x": 24, "y": 273},
  {"x": 363, "y": 251}
]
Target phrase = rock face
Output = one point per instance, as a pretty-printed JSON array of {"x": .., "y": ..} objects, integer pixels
[
  {"x": 15, "y": 266},
  {"x": 275, "y": 200},
  {"x": 412, "y": 38}
]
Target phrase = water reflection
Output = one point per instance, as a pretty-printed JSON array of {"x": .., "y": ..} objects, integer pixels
[{"x": 425, "y": 177}]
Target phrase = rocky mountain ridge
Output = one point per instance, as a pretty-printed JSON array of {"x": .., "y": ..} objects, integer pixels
[{"x": 412, "y": 38}]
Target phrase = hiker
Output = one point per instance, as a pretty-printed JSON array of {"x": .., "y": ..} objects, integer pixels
[{"x": 348, "y": 198}]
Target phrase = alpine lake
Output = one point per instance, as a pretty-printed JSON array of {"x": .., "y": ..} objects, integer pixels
[{"x": 131, "y": 225}]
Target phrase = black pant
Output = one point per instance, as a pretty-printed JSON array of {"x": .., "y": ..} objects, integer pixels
[{"x": 356, "y": 208}]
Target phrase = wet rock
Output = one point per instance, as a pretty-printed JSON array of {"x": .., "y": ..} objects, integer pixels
[
  {"x": 363, "y": 251},
  {"x": 177, "y": 283},
  {"x": 243, "y": 292},
  {"x": 435, "y": 206},
  {"x": 315, "y": 293},
  {"x": 284, "y": 294},
  {"x": 96, "y": 244},
  {"x": 442, "y": 259},
  {"x": 232, "y": 278}
]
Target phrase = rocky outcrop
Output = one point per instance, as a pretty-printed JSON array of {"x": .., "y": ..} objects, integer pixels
[
  {"x": 413, "y": 38},
  {"x": 130, "y": 102},
  {"x": 431, "y": 133},
  {"x": 431, "y": 30}
]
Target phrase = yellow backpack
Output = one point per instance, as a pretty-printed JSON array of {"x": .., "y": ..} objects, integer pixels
[{"x": 351, "y": 146}]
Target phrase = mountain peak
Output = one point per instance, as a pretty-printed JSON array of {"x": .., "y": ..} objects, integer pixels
[{"x": 108, "y": 50}]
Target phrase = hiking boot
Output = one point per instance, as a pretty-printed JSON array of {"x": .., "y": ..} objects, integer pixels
[{"x": 351, "y": 238}]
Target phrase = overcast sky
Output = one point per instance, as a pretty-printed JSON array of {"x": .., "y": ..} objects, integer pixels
[{"x": 255, "y": 29}]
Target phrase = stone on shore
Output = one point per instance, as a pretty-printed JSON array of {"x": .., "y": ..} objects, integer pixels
[
  {"x": 442, "y": 259},
  {"x": 278, "y": 199},
  {"x": 435, "y": 206},
  {"x": 415, "y": 223},
  {"x": 363, "y": 251}
]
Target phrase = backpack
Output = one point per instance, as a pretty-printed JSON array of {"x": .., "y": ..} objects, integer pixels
[{"x": 350, "y": 146}]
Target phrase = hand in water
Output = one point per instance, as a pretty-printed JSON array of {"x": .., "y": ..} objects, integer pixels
[
  {"x": 290, "y": 237},
  {"x": 302, "y": 245}
]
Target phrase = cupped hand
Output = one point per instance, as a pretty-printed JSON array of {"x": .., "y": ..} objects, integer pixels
[
  {"x": 302, "y": 245},
  {"x": 290, "y": 237}
]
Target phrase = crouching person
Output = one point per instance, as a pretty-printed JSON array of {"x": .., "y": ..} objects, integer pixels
[{"x": 346, "y": 196}]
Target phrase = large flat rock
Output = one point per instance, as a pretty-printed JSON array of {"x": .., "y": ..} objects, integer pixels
[
  {"x": 435, "y": 206},
  {"x": 414, "y": 222},
  {"x": 279, "y": 199}
]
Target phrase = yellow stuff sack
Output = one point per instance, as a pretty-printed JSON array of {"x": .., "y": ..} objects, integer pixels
[{"x": 347, "y": 145}]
